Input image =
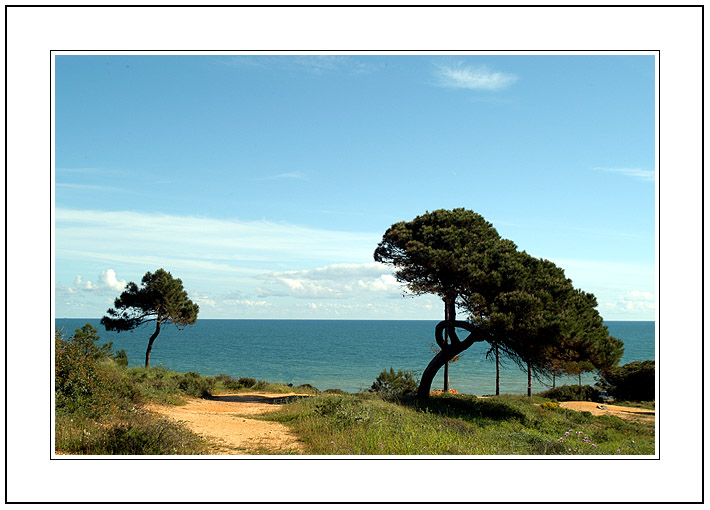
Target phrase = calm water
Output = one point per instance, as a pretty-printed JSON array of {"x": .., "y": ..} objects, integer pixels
[{"x": 333, "y": 354}]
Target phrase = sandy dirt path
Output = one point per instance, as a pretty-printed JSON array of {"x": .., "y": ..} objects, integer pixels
[
  {"x": 223, "y": 421},
  {"x": 627, "y": 413}
]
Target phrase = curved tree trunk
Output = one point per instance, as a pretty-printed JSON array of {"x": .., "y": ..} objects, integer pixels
[
  {"x": 447, "y": 352},
  {"x": 449, "y": 315},
  {"x": 150, "y": 344}
]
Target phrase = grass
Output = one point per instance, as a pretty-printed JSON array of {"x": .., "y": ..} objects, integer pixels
[
  {"x": 99, "y": 410},
  {"x": 364, "y": 424},
  {"x": 99, "y": 402}
]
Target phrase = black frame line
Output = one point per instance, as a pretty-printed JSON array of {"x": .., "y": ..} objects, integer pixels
[{"x": 408, "y": 51}]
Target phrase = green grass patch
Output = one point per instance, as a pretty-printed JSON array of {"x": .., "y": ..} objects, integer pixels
[{"x": 365, "y": 424}]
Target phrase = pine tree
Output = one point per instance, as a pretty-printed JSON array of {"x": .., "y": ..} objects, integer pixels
[{"x": 160, "y": 299}]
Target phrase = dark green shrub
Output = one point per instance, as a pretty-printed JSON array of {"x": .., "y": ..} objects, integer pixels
[
  {"x": 633, "y": 381},
  {"x": 83, "y": 381},
  {"x": 335, "y": 391},
  {"x": 391, "y": 384},
  {"x": 227, "y": 382},
  {"x": 307, "y": 387},
  {"x": 572, "y": 392},
  {"x": 246, "y": 382},
  {"x": 194, "y": 384},
  {"x": 121, "y": 358}
]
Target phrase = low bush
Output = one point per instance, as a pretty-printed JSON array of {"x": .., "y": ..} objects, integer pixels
[
  {"x": 635, "y": 381},
  {"x": 572, "y": 392},
  {"x": 394, "y": 385},
  {"x": 193, "y": 384},
  {"x": 246, "y": 382},
  {"x": 307, "y": 387}
]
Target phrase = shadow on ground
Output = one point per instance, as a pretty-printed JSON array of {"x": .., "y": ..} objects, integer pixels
[
  {"x": 475, "y": 408},
  {"x": 257, "y": 399}
]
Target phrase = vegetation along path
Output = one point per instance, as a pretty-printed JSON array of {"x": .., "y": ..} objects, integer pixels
[{"x": 224, "y": 420}]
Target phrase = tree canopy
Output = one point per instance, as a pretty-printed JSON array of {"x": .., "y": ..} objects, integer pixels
[
  {"x": 522, "y": 305},
  {"x": 160, "y": 298}
]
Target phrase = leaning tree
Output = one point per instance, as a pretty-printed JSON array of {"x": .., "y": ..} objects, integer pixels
[
  {"x": 438, "y": 253},
  {"x": 524, "y": 307},
  {"x": 160, "y": 298}
]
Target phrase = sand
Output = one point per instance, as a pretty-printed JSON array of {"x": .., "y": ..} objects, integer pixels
[
  {"x": 224, "y": 421},
  {"x": 627, "y": 413}
]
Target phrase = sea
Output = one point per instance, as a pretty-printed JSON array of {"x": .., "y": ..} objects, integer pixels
[{"x": 336, "y": 354}]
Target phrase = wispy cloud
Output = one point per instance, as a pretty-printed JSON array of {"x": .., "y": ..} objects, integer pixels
[
  {"x": 207, "y": 247},
  {"x": 335, "y": 281},
  {"x": 299, "y": 176},
  {"x": 636, "y": 173},
  {"x": 87, "y": 187},
  {"x": 308, "y": 63},
  {"x": 473, "y": 78},
  {"x": 633, "y": 302}
]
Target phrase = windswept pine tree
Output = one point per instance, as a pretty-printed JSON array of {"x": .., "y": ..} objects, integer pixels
[
  {"x": 160, "y": 298},
  {"x": 523, "y": 306},
  {"x": 433, "y": 254}
]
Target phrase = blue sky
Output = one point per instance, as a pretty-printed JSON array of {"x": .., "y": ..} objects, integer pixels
[{"x": 266, "y": 182}]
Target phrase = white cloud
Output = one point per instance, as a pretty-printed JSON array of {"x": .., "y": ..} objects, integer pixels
[
  {"x": 202, "y": 299},
  {"x": 636, "y": 173},
  {"x": 474, "y": 78},
  {"x": 82, "y": 284},
  {"x": 108, "y": 279},
  {"x": 634, "y": 301},
  {"x": 336, "y": 281}
]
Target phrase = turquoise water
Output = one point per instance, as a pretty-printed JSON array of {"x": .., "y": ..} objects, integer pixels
[{"x": 333, "y": 353}]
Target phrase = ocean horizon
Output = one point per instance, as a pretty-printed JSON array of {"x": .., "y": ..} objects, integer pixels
[{"x": 346, "y": 354}]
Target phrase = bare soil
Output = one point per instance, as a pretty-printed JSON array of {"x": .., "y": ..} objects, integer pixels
[
  {"x": 224, "y": 422},
  {"x": 627, "y": 413}
]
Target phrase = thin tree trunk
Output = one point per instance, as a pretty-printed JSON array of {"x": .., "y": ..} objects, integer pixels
[
  {"x": 580, "y": 378},
  {"x": 529, "y": 381},
  {"x": 497, "y": 371},
  {"x": 449, "y": 315},
  {"x": 150, "y": 344},
  {"x": 553, "y": 378}
]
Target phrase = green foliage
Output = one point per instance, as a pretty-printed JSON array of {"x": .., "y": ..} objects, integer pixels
[
  {"x": 433, "y": 252},
  {"x": 366, "y": 424},
  {"x": 393, "y": 385},
  {"x": 85, "y": 340},
  {"x": 130, "y": 433},
  {"x": 121, "y": 358},
  {"x": 160, "y": 299},
  {"x": 193, "y": 384},
  {"x": 247, "y": 382},
  {"x": 84, "y": 375},
  {"x": 524, "y": 306},
  {"x": 572, "y": 393},
  {"x": 307, "y": 388},
  {"x": 634, "y": 381}
]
